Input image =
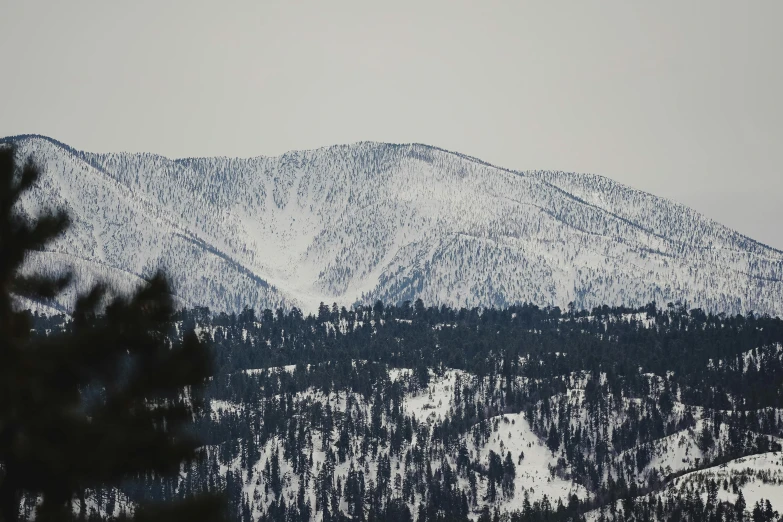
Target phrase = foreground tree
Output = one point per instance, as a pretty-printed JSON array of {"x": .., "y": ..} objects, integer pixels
[{"x": 104, "y": 402}]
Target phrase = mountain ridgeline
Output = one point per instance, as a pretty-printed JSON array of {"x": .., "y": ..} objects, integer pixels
[{"x": 373, "y": 221}]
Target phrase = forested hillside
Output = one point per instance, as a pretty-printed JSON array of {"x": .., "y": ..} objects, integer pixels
[{"x": 522, "y": 413}]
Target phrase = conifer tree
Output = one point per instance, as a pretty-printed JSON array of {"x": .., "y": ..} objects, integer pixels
[{"x": 101, "y": 403}]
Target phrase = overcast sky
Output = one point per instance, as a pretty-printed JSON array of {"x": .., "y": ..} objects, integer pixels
[{"x": 681, "y": 99}]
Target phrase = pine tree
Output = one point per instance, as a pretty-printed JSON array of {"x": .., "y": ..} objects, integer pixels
[
  {"x": 705, "y": 440},
  {"x": 740, "y": 505},
  {"x": 553, "y": 440},
  {"x": 509, "y": 474},
  {"x": 100, "y": 403}
]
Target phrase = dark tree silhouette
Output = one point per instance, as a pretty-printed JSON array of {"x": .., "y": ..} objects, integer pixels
[{"x": 106, "y": 400}]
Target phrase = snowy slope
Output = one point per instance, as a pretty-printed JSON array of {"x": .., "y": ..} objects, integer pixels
[
  {"x": 539, "y": 472},
  {"x": 508, "y": 433},
  {"x": 378, "y": 221},
  {"x": 758, "y": 477}
]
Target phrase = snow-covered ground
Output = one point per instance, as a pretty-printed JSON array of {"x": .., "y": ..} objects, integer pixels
[
  {"x": 512, "y": 434},
  {"x": 508, "y": 433},
  {"x": 433, "y": 403},
  {"x": 759, "y": 477}
]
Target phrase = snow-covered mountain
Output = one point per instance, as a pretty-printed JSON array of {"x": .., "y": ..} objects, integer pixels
[{"x": 393, "y": 222}]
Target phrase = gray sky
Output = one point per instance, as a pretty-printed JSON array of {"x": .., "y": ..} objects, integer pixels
[{"x": 681, "y": 99}]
